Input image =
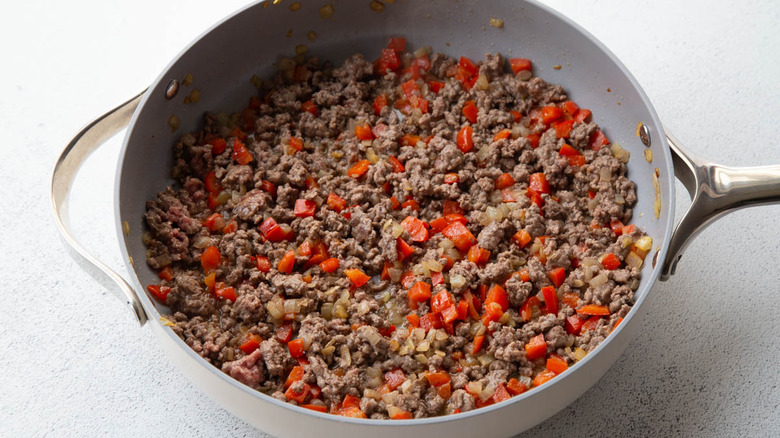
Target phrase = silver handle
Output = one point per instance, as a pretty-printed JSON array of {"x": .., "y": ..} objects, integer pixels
[
  {"x": 715, "y": 190},
  {"x": 80, "y": 147}
]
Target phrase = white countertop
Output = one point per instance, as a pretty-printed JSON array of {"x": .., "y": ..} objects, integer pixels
[{"x": 74, "y": 363}]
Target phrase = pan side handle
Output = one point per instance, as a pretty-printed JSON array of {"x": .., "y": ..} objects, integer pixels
[
  {"x": 76, "y": 152},
  {"x": 715, "y": 191}
]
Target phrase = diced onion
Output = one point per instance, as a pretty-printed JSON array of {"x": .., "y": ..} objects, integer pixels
[
  {"x": 589, "y": 261},
  {"x": 446, "y": 244},
  {"x": 372, "y": 393},
  {"x": 645, "y": 243},
  {"x": 633, "y": 260},
  {"x": 326, "y": 311},
  {"x": 292, "y": 306},
  {"x": 432, "y": 265},
  {"x": 482, "y": 153},
  {"x": 457, "y": 280},
  {"x": 482, "y": 83},
  {"x": 345, "y": 355},
  {"x": 598, "y": 280},
  {"x": 579, "y": 354},
  {"x": 395, "y": 274},
  {"x": 275, "y": 308},
  {"x": 373, "y": 336},
  {"x": 423, "y": 346},
  {"x": 621, "y": 154}
]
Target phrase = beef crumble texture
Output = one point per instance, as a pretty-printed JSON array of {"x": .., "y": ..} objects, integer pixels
[{"x": 411, "y": 237}]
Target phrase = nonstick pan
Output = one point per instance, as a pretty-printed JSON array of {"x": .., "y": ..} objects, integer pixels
[{"x": 220, "y": 64}]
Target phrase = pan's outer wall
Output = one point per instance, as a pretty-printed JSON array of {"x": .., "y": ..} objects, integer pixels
[{"x": 221, "y": 63}]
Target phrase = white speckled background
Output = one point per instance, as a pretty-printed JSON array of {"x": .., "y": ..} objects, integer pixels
[{"x": 74, "y": 363}]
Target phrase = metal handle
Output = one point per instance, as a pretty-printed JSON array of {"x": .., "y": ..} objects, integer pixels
[
  {"x": 715, "y": 190},
  {"x": 80, "y": 147}
]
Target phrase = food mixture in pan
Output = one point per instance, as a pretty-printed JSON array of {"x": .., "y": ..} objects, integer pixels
[{"x": 411, "y": 237}]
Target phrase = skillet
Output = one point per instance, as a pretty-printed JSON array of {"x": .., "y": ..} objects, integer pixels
[{"x": 252, "y": 39}]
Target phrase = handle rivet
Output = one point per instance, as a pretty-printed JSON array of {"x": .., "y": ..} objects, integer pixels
[
  {"x": 172, "y": 89},
  {"x": 644, "y": 135}
]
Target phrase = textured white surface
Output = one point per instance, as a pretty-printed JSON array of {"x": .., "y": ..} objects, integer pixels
[{"x": 74, "y": 363}]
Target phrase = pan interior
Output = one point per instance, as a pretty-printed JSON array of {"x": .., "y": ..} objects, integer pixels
[{"x": 222, "y": 62}]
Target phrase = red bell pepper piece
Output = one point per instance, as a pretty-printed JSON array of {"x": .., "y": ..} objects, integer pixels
[
  {"x": 305, "y": 208},
  {"x": 357, "y": 277},
  {"x": 536, "y": 348},
  {"x": 459, "y": 235},
  {"x": 464, "y": 141},
  {"x": 209, "y": 260}
]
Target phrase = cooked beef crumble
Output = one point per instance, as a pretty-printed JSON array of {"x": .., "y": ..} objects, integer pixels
[{"x": 412, "y": 237}]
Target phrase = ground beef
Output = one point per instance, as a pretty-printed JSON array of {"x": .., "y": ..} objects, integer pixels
[{"x": 383, "y": 241}]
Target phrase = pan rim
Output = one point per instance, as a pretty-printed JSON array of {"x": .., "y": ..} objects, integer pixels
[{"x": 647, "y": 282}]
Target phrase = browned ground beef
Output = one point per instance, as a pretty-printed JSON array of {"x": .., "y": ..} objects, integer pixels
[{"x": 352, "y": 335}]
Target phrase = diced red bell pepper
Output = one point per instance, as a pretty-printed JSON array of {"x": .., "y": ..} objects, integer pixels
[
  {"x": 388, "y": 61},
  {"x": 452, "y": 207},
  {"x": 284, "y": 333},
  {"x": 287, "y": 262},
  {"x": 536, "y": 348},
  {"x": 411, "y": 203},
  {"x": 421, "y": 291},
  {"x": 263, "y": 264},
  {"x": 417, "y": 229},
  {"x": 166, "y": 273},
  {"x": 363, "y": 132},
  {"x": 617, "y": 227},
  {"x": 570, "y": 108},
  {"x": 557, "y": 276},
  {"x": 550, "y": 299},
  {"x": 527, "y": 309},
  {"x": 571, "y": 299},
  {"x": 538, "y": 183},
  {"x": 534, "y": 139},
  {"x": 271, "y": 230},
  {"x": 551, "y": 114},
  {"x": 209, "y": 260},
  {"x": 468, "y": 66},
  {"x": 318, "y": 408},
  {"x": 574, "y": 324},
  {"x": 330, "y": 265},
  {"x": 296, "y": 144},
  {"x": 477, "y": 255},
  {"x": 568, "y": 151},
  {"x": 437, "y": 278},
  {"x": 516, "y": 115},
  {"x": 240, "y": 153},
  {"x": 336, "y": 202},
  {"x": 591, "y": 324},
  {"x": 403, "y": 249},
  {"x": 504, "y": 180},
  {"x": 218, "y": 145},
  {"x": 464, "y": 141},
  {"x": 296, "y": 348},
  {"x": 304, "y": 208},
  {"x": 309, "y": 107},
  {"x": 359, "y": 168},
  {"x": 470, "y": 111},
  {"x": 438, "y": 378},
  {"x": 226, "y": 293},
  {"x": 413, "y": 319},
  {"x": 477, "y": 344},
  {"x": 582, "y": 116},
  {"x": 251, "y": 343},
  {"x": 430, "y": 321},
  {"x": 298, "y": 396},
  {"x": 295, "y": 375},
  {"x": 519, "y": 64},
  {"x": 497, "y": 294},
  {"x": 435, "y": 86},
  {"x": 398, "y": 167},
  {"x": 460, "y": 236},
  {"x": 395, "y": 378},
  {"x": 593, "y": 309},
  {"x": 597, "y": 140},
  {"x": 522, "y": 238},
  {"x": 514, "y": 387},
  {"x": 379, "y": 103},
  {"x": 215, "y": 222},
  {"x": 610, "y": 261},
  {"x": 211, "y": 183},
  {"x": 543, "y": 377},
  {"x": 563, "y": 128},
  {"x": 159, "y": 292},
  {"x": 451, "y": 178},
  {"x": 502, "y": 134},
  {"x": 441, "y": 301},
  {"x": 357, "y": 277}
]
